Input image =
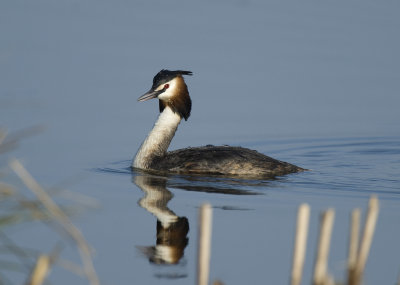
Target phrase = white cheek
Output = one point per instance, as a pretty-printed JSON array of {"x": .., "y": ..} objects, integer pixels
[
  {"x": 169, "y": 92},
  {"x": 165, "y": 95}
]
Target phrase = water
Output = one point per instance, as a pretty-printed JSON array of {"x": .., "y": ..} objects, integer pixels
[
  {"x": 254, "y": 220},
  {"x": 315, "y": 84}
]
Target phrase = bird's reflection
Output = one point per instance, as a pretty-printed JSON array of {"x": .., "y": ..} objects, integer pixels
[{"x": 172, "y": 230}]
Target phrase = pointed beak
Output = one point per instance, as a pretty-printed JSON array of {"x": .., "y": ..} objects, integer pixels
[{"x": 150, "y": 95}]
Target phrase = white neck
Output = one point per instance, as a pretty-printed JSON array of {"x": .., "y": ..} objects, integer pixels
[{"x": 158, "y": 140}]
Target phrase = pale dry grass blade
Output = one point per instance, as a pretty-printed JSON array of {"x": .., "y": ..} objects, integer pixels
[
  {"x": 72, "y": 267},
  {"x": 6, "y": 190},
  {"x": 9, "y": 142},
  {"x": 40, "y": 271},
  {"x": 366, "y": 241},
  {"x": 43, "y": 266},
  {"x": 60, "y": 216}
]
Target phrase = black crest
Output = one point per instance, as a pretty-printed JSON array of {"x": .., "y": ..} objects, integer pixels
[{"x": 167, "y": 75}]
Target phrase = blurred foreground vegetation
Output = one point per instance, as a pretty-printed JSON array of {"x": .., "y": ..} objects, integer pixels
[{"x": 24, "y": 206}]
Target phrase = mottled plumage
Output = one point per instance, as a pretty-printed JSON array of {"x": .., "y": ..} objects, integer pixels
[{"x": 222, "y": 160}]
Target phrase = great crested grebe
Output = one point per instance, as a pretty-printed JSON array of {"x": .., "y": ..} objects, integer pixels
[{"x": 174, "y": 103}]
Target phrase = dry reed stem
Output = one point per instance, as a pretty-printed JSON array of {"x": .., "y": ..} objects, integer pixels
[
  {"x": 59, "y": 215},
  {"x": 354, "y": 238},
  {"x": 204, "y": 244},
  {"x": 8, "y": 142},
  {"x": 366, "y": 241},
  {"x": 17, "y": 251},
  {"x": 329, "y": 280},
  {"x": 43, "y": 266},
  {"x": 300, "y": 244},
  {"x": 6, "y": 189},
  {"x": 320, "y": 269},
  {"x": 72, "y": 267},
  {"x": 40, "y": 271}
]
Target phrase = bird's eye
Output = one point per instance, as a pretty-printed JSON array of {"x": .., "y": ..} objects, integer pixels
[{"x": 166, "y": 86}]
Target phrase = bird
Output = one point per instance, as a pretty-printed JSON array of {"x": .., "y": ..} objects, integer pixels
[{"x": 170, "y": 89}]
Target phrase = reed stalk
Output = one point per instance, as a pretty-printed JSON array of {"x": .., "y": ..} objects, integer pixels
[
  {"x": 204, "y": 244},
  {"x": 300, "y": 244},
  {"x": 321, "y": 264},
  {"x": 355, "y": 274},
  {"x": 354, "y": 238}
]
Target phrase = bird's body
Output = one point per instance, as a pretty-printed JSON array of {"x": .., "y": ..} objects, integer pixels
[
  {"x": 222, "y": 160},
  {"x": 169, "y": 87}
]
